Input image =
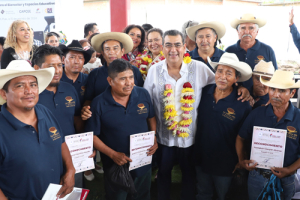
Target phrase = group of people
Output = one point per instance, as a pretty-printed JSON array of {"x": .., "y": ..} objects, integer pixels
[{"x": 202, "y": 102}]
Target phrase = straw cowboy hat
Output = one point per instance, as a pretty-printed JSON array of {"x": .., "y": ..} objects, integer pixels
[
  {"x": 18, "y": 68},
  {"x": 217, "y": 26},
  {"x": 281, "y": 80},
  {"x": 76, "y": 46},
  {"x": 231, "y": 60},
  {"x": 125, "y": 39},
  {"x": 264, "y": 69},
  {"x": 248, "y": 18}
]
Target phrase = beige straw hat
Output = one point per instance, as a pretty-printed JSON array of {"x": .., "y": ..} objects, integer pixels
[
  {"x": 264, "y": 68},
  {"x": 281, "y": 80},
  {"x": 217, "y": 26},
  {"x": 248, "y": 18}
]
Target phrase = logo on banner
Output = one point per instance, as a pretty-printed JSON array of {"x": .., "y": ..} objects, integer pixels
[
  {"x": 24, "y": 11},
  {"x": 2, "y": 11},
  {"x": 37, "y": 10},
  {"x": 48, "y": 10},
  {"x": 55, "y": 135}
]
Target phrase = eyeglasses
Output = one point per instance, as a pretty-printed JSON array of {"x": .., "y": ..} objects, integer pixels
[{"x": 170, "y": 45}]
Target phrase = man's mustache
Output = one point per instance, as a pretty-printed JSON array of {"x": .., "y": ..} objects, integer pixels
[
  {"x": 276, "y": 99},
  {"x": 247, "y": 35}
]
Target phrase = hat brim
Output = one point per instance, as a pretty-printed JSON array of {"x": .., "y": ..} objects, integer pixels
[
  {"x": 217, "y": 26},
  {"x": 272, "y": 84},
  {"x": 125, "y": 39},
  {"x": 262, "y": 74},
  {"x": 243, "y": 68},
  {"x": 43, "y": 76},
  {"x": 86, "y": 54},
  {"x": 259, "y": 21}
]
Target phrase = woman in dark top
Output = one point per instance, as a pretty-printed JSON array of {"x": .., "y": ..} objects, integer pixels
[
  {"x": 18, "y": 44},
  {"x": 137, "y": 34}
]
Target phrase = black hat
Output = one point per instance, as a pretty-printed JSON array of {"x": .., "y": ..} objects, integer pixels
[{"x": 75, "y": 46}]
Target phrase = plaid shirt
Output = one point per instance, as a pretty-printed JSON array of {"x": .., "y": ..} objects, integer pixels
[{"x": 37, "y": 42}]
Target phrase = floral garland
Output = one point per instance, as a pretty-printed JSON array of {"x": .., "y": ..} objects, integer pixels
[
  {"x": 180, "y": 129},
  {"x": 187, "y": 58}
]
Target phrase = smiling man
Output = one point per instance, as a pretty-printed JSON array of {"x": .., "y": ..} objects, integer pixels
[
  {"x": 279, "y": 114},
  {"x": 115, "y": 117},
  {"x": 206, "y": 35},
  {"x": 32, "y": 147},
  {"x": 248, "y": 49}
]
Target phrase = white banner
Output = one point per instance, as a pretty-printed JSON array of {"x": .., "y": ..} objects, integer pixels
[{"x": 39, "y": 15}]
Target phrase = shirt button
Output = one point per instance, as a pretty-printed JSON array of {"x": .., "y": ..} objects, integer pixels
[{"x": 32, "y": 131}]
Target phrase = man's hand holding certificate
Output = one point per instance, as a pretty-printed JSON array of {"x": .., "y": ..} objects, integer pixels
[{"x": 268, "y": 147}]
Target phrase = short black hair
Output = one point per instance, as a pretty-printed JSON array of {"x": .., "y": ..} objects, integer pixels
[
  {"x": 155, "y": 30},
  {"x": 173, "y": 32},
  {"x": 89, "y": 27},
  {"x": 141, "y": 45},
  {"x": 118, "y": 66},
  {"x": 5, "y": 86},
  {"x": 43, "y": 51},
  {"x": 121, "y": 45},
  {"x": 2, "y": 40},
  {"x": 147, "y": 27}
]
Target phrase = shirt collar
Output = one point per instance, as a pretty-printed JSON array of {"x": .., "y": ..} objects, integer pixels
[
  {"x": 230, "y": 98},
  {"x": 17, "y": 124},
  {"x": 289, "y": 115},
  {"x": 184, "y": 67},
  {"x": 109, "y": 100},
  {"x": 217, "y": 54},
  {"x": 255, "y": 47},
  {"x": 79, "y": 78}
]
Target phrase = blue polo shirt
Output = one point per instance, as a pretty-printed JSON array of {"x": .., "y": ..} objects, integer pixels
[
  {"x": 217, "y": 127},
  {"x": 64, "y": 105},
  {"x": 97, "y": 81},
  {"x": 259, "y": 51},
  {"x": 114, "y": 123},
  {"x": 79, "y": 84},
  {"x": 29, "y": 160},
  {"x": 296, "y": 36},
  {"x": 259, "y": 100},
  {"x": 264, "y": 116},
  {"x": 215, "y": 58}
]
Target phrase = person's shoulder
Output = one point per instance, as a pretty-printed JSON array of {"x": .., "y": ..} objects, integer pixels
[
  {"x": 207, "y": 88},
  {"x": 84, "y": 76},
  {"x": 140, "y": 90},
  {"x": 40, "y": 108},
  {"x": 231, "y": 48},
  {"x": 264, "y": 45},
  {"x": 67, "y": 87},
  {"x": 9, "y": 50}
]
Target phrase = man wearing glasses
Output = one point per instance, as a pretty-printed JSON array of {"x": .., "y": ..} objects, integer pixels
[
  {"x": 175, "y": 73},
  {"x": 248, "y": 49}
]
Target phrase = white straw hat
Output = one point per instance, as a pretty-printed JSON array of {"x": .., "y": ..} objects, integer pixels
[
  {"x": 264, "y": 68},
  {"x": 281, "y": 80}
]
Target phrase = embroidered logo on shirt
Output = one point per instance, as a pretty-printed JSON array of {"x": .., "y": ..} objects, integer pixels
[
  {"x": 292, "y": 132},
  {"x": 229, "y": 114},
  {"x": 70, "y": 102},
  {"x": 55, "y": 135},
  {"x": 259, "y": 58},
  {"x": 142, "y": 108},
  {"x": 82, "y": 90}
]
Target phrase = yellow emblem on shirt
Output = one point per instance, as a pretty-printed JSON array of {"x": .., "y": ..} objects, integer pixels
[
  {"x": 55, "y": 135},
  {"x": 292, "y": 132},
  {"x": 230, "y": 114},
  {"x": 70, "y": 102},
  {"x": 142, "y": 108}
]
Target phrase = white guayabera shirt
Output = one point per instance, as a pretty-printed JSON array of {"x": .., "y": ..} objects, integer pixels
[{"x": 195, "y": 72}]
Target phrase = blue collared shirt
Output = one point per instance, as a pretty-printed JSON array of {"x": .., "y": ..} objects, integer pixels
[
  {"x": 29, "y": 160},
  {"x": 79, "y": 84},
  {"x": 259, "y": 51},
  {"x": 217, "y": 127},
  {"x": 97, "y": 81},
  {"x": 264, "y": 116},
  {"x": 259, "y": 100},
  {"x": 114, "y": 123},
  {"x": 64, "y": 105},
  {"x": 296, "y": 36},
  {"x": 215, "y": 58}
]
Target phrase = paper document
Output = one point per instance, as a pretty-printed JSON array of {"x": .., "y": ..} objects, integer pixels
[
  {"x": 268, "y": 147},
  {"x": 81, "y": 147},
  {"x": 139, "y": 145},
  {"x": 76, "y": 194}
]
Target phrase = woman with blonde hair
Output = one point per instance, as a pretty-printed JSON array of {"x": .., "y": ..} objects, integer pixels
[{"x": 18, "y": 44}]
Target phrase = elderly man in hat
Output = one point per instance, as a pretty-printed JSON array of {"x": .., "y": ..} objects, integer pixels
[
  {"x": 206, "y": 35},
  {"x": 116, "y": 116},
  {"x": 190, "y": 43},
  {"x": 32, "y": 147},
  {"x": 220, "y": 115},
  {"x": 74, "y": 59},
  {"x": 112, "y": 46},
  {"x": 280, "y": 114},
  {"x": 175, "y": 86},
  {"x": 248, "y": 49},
  {"x": 259, "y": 91}
]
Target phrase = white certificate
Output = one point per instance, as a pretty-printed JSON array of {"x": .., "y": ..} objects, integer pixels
[
  {"x": 76, "y": 194},
  {"x": 268, "y": 147},
  {"x": 81, "y": 147},
  {"x": 139, "y": 145}
]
